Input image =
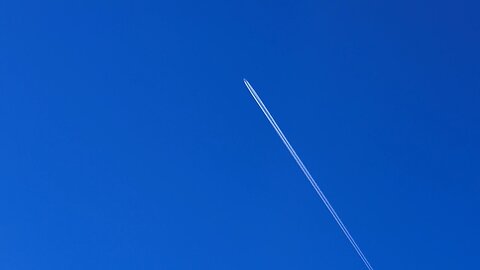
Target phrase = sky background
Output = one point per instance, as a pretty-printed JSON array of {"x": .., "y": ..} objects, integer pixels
[{"x": 128, "y": 140}]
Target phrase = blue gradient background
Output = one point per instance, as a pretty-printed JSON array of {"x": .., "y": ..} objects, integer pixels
[{"x": 128, "y": 140}]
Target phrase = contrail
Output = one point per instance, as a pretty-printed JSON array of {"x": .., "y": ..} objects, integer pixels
[{"x": 307, "y": 173}]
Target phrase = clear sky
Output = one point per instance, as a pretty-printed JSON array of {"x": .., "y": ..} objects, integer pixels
[{"x": 128, "y": 140}]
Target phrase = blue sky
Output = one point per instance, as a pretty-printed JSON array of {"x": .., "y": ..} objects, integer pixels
[{"x": 128, "y": 140}]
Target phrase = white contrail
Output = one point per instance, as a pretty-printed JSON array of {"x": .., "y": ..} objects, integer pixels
[{"x": 307, "y": 173}]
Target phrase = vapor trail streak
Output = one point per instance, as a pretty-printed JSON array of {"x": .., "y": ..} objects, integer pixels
[{"x": 307, "y": 174}]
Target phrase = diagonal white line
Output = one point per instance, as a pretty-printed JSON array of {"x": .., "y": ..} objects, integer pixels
[{"x": 307, "y": 174}]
